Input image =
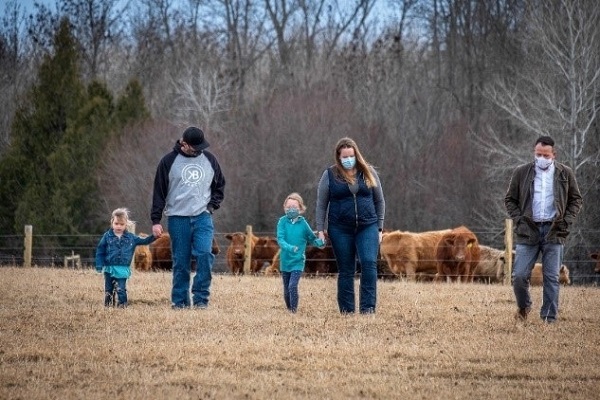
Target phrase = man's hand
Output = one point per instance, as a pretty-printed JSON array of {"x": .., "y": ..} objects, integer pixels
[{"x": 157, "y": 230}]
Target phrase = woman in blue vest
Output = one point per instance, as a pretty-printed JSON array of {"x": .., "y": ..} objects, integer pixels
[{"x": 350, "y": 195}]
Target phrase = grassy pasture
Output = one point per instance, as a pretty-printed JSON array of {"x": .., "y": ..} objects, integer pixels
[{"x": 427, "y": 341}]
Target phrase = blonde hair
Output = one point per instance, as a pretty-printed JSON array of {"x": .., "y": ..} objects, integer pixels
[
  {"x": 298, "y": 198},
  {"x": 121, "y": 214},
  {"x": 361, "y": 164}
]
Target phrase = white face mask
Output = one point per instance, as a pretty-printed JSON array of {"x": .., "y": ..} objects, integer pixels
[{"x": 543, "y": 163}]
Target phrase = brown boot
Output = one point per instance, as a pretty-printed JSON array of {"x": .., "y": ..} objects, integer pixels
[{"x": 522, "y": 313}]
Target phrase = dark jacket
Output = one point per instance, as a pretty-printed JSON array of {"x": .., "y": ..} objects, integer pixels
[
  {"x": 347, "y": 209},
  {"x": 519, "y": 200}
]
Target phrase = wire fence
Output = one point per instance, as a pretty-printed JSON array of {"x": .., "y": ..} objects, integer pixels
[{"x": 53, "y": 251}]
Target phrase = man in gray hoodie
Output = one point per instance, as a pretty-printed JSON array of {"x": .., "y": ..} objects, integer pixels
[{"x": 188, "y": 188}]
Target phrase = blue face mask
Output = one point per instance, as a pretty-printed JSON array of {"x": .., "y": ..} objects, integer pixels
[
  {"x": 292, "y": 213},
  {"x": 348, "y": 162}
]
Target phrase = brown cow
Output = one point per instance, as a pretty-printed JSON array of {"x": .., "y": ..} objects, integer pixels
[
  {"x": 596, "y": 256},
  {"x": 491, "y": 266},
  {"x": 411, "y": 254},
  {"x": 273, "y": 269},
  {"x": 263, "y": 252},
  {"x": 161, "y": 253},
  {"x": 162, "y": 259},
  {"x": 320, "y": 261},
  {"x": 236, "y": 251},
  {"x": 263, "y": 249},
  {"x": 537, "y": 278},
  {"x": 142, "y": 257},
  {"x": 457, "y": 255}
]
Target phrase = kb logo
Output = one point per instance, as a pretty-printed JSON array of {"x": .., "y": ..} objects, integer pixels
[{"x": 192, "y": 175}]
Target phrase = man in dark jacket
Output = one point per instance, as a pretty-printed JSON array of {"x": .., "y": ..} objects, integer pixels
[
  {"x": 188, "y": 187},
  {"x": 543, "y": 200}
]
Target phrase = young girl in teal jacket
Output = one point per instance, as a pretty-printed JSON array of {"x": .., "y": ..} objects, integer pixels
[{"x": 293, "y": 234}]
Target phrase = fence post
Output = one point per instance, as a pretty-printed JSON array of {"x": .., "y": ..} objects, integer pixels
[
  {"x": 508, "y": 245},
  {"x": 28, "y": 245},
  {"x": 248, "y": 249}
]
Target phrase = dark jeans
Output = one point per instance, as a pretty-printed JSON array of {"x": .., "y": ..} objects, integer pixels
[
  {"x": 109, "y": 282},
  {"x": 191, "y": 236},
  {"x": 290, "y": 289},
  {"x": 348, "y": 243}
]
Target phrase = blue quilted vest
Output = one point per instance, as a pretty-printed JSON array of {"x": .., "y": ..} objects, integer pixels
[{"x": 346, "y": 208}]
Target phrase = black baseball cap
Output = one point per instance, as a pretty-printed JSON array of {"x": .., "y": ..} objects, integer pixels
[{"x": 195, "y": 138}]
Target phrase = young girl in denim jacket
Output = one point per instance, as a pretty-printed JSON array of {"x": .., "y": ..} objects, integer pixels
[
  {"x": 293, "y": 234},
  {"x": 114, "y": 254}
]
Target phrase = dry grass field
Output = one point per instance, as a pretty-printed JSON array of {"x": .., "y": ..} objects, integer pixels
[{"x": 427, "y": 341}]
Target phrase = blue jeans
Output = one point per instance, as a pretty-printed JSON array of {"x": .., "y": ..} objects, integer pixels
[
  {"x": 525, "y": 258},
  {"x": 290, "y": 289},
  {"x": 347, "y": 244},
  {"x": 109, "y": 282},
  {"x": 191, "y": 236}
]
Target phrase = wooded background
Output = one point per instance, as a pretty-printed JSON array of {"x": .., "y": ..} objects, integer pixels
[{"x": 444, "y": 97}]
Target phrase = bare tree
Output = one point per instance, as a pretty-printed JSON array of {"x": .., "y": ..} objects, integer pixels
[
  {"x": 160, "y": 48},
  {"x": 282, "y": 146},
  {"x": 201, "y": 96},
  {"x": 125, "y": 177},
  {"x": 312, "y": 13},
  {"x": 281, "y": 13},
  {"x": 161, "y": 15},
  {"x": 242, "y": 24},
  {"x": 554, "y": 91},
  {"x": 96, "y": 24},
  {"x": 344, "y": 17}
]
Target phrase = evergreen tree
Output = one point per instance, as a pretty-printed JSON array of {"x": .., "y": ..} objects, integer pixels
[
  {"x": 75, "y": 194},
  {"x": 38, "y": 129},
  {"x": 131, "y": 106},
  {"x": 59, "y": 136}
]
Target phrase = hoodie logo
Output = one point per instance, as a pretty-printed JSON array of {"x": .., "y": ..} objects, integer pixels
[{"x": 192, "y": 175}]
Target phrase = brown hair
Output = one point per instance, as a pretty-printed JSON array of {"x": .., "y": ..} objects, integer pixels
[{"x": 361, "y": 164}]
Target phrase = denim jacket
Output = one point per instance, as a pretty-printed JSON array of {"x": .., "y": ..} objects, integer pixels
[
  {"x": 118, "y": 251},
  {"x": 519, "y": 200}
]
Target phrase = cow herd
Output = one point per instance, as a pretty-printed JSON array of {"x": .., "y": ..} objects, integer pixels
[
  {"x": 443, "y": 255},
  {"x": 157, "y": 256}
]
